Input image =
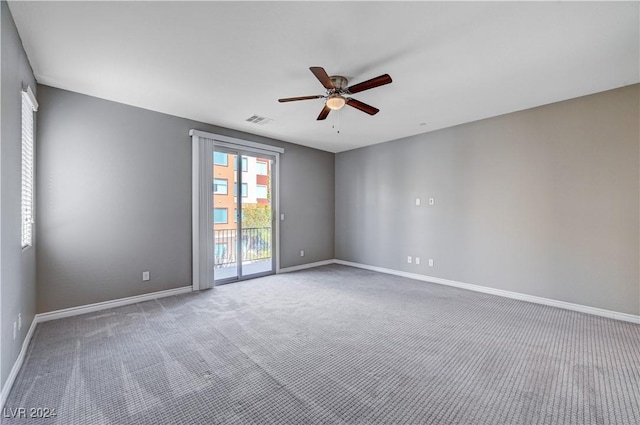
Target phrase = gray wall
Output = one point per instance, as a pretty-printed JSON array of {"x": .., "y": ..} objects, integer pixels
[
  {"x": 17, "y": 267},
  {"x": 114, "y": 200},
  {"x": 541, "y": 202}
]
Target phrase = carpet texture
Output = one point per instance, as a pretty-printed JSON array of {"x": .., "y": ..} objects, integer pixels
[{"x": 332, "y": 345}]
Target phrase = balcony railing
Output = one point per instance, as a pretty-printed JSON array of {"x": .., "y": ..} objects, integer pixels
[{"x": 255, "y": 243}]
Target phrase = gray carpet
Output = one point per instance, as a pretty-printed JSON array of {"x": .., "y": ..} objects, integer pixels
[{"x": 332, "y": 345}]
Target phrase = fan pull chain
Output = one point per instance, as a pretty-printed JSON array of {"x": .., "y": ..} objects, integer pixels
[{"x": 337, "y": 125}]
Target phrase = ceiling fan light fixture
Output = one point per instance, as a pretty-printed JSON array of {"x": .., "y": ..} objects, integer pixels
[
  {"x": 337, "y": 90},
  {"x": 335, "y": 101}
]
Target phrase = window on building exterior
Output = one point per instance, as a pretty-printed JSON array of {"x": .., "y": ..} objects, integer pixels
[
  {"x": 262, "y": 168},
  {"x": 261, "y": 192},
  {"x": 220, "y": 186},
  {"x": 221, "y": 250},
  {"x": 29, "y": 106},
  {"x": 220, "y": 215},
  {"x": 244, "y": 189},
  {"x": 220, "y": 158},
  {"x": 244, "y": 164}
]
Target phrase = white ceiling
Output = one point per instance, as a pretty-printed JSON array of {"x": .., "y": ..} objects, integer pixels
[{"x": 222, "y": 62}]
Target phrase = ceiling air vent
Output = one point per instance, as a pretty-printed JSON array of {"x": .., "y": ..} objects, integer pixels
[{"x": 257, "y": 119}]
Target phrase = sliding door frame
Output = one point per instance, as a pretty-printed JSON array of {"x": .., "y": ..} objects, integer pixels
[{"x": 203, "y": 146}]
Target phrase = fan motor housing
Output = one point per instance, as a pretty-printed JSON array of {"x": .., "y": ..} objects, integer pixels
[{"x": 339, "y": 82}]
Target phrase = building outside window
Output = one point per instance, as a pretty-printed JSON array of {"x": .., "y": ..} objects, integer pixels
[
  {"x": 220, "y": 215},
  {"x": 245, "y": 189},
  {"x": 262, "y": 168},
  {"x": 261, "y": 191},
  {"x": 244, "y": 164},
  {"x": 220, "y": 158},
  {"x": 220, "y": 186},
  {"x": 220, "y": 250}
]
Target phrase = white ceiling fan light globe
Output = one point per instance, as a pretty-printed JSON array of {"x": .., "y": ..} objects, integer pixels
[{"x": 335, "y": 101}]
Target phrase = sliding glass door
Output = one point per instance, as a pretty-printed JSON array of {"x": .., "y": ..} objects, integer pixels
[
  {"x": 234, "y": 205},
  {"x": 242, "y": 214}
]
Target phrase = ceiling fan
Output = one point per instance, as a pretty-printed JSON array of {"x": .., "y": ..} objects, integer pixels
[{"x": 338, "y": 93}]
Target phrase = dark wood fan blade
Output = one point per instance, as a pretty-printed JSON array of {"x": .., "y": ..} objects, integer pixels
[
  {"x": 362, "y": 106},
  {"x": 293, "y": 99},
  {"x": 322, "y": 75},
  {"x": 324, "y": 113},
  {"x": 369, "y": 84}
]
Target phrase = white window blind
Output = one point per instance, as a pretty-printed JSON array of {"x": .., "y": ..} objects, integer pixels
[{"x": 29, "y": 106}]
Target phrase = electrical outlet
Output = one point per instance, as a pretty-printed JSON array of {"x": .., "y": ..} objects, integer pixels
[
  {"x": 19, "y": 321},
  {"x": 145, "y": 276},
  {"x": 430, "y": 262},
  {"x": 417, "y": 201},
  {"x": 302, "y": 252},
  {"x": 409, "y": 259},
  {"x": 417, "y": 260},
  {"x": 15, "y": 330}
]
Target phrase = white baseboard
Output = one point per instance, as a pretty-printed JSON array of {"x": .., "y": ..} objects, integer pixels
[
  {"x": 307, "y": 266},
  {"x": 500, "y": 292},
  {"x": 75, "y": 311},
  {"x": 89, "y": 308},
  {"x": 8, "y": 384}
]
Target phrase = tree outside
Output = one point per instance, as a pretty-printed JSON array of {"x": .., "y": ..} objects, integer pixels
[
  {"x": 256, "y": 225},
  {"x": 256, "y": 215}
]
